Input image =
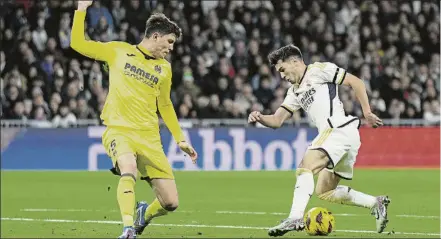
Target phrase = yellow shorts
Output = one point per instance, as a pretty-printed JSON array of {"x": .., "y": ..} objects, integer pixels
[{"x": 147, "y": 147}]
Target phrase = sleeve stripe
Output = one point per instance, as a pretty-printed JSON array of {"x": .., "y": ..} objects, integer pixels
[
  {"x": 287, "y": 109},
  {"x": 342, "y": 78},
  {"x": 335, "y": 76}
]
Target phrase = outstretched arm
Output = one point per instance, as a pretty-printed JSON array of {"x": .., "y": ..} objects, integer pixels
[
  {"x": 273, "y": 121},
  {"x": 284, "y": 112},
  {"x": 360, "y": 91},
  {"x": 96, "y": 50}
]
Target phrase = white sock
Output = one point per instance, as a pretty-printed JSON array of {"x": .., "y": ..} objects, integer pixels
[
  {"x": 302, "y": 193},
  {"x": 348, "y": 196}
]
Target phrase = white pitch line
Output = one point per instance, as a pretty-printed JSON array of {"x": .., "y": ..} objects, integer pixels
[
  {"x": 76, "y": 210},
  {"x": 217, "y": 212},
  {"x": 57, "y": 210},
  {"x": 417, "y": 216},
  {"x": 249, "y": 213},
  {"x": 337, "y": 214},
  {"x": 195, "y": 225}
]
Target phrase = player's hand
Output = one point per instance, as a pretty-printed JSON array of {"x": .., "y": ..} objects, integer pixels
[
  {"x": 254, "y": 117},
  {"x": 83, "y": 5},
  {"x": 186, "y": 147},
  {"x": 373, "y": 120}
]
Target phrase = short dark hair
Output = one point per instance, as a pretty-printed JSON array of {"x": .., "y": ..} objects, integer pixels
[
  {"x": 161, "y": 24},
  {"x": 284, "y": 53}
]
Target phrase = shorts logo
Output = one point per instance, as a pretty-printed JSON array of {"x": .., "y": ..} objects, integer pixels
[
  {"x": 158, "y": 69},
  {"x": 113, "y": 147}
]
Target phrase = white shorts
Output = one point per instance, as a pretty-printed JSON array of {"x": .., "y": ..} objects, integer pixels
[{"x": 341, "y": 144}]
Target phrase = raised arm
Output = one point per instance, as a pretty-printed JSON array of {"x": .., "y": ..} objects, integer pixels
[{"x": 96, "y": 50}]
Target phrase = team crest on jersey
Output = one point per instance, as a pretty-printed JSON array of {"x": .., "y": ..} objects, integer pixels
[{"x": 158, "y": 69}]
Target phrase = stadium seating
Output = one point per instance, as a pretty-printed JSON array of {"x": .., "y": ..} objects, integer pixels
[{"x": 219, "y": 65}]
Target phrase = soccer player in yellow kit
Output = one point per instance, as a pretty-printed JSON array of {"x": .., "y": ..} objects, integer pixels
[{"x": 140, "y": 84}]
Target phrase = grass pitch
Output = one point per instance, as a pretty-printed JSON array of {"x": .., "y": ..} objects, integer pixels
[{"x": 212, "y": 204}]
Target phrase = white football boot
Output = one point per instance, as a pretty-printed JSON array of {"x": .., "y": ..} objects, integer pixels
[
  {"x": 285, "y": 226},
  {"x": 380, "y": 212}
]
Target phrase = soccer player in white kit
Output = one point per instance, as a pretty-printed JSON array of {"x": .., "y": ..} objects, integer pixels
[{"x": 333, "y": 152}]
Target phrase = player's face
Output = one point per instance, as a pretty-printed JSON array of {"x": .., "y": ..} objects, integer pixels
[
  {"x": 164, "y": 44},
  {"x": 289, "y": 70}
]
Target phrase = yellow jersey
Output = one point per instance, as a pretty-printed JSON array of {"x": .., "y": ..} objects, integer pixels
[{"x": 139, "y": 84}]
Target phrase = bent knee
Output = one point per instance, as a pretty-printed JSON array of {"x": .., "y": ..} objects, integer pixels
[
  {"x": 170, "y": 205},
  {"x": 323, "y": 189},
  {"x": 322, "y": 193},
  {"x": 328, "y": 193}
]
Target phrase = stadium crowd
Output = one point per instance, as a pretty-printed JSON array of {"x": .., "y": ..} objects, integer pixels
[{"x": 219, "y": 66}]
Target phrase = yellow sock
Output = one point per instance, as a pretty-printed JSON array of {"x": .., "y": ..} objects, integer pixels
[
  {"x": 154, "y": 210},
  {"x": 126, "y": 198}
]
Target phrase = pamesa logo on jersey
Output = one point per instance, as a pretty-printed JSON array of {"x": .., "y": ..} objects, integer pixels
[{"x": 140, "y": 75}]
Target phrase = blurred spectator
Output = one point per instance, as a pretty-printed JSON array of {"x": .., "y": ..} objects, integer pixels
[
  {"x": 64, "y": 117},
  {"x": 83, "y": 110},
  {"x": 219, "y": 65},
  {"x": 18, "y": 111},
  {"x": 97, "y": 12},
  {"x": 188, "y": 86},
  {"x": 213, "y": 110}
]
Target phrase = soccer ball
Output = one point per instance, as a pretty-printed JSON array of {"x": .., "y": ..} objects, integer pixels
[{"x": 319, "y": 222}]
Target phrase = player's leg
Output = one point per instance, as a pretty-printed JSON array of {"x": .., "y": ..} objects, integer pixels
[
  {"x": 166, "y": 198},
  {"x": 155, "y": 168},
  {"x": 118, "y": 147},
  {"x": 126, "y": 187},
  {"x": 327, "y": 189},
  {"x": 166, "y": 201},
  {"x": 313, "y": 162}
]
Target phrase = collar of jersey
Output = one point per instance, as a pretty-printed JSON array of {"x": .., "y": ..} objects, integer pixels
[
  {"x": 303, "y": 76},
  {"x": 145, "y": 52}
]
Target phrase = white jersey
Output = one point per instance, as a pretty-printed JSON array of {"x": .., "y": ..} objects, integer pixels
[{"x": 317, "y": 95}]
